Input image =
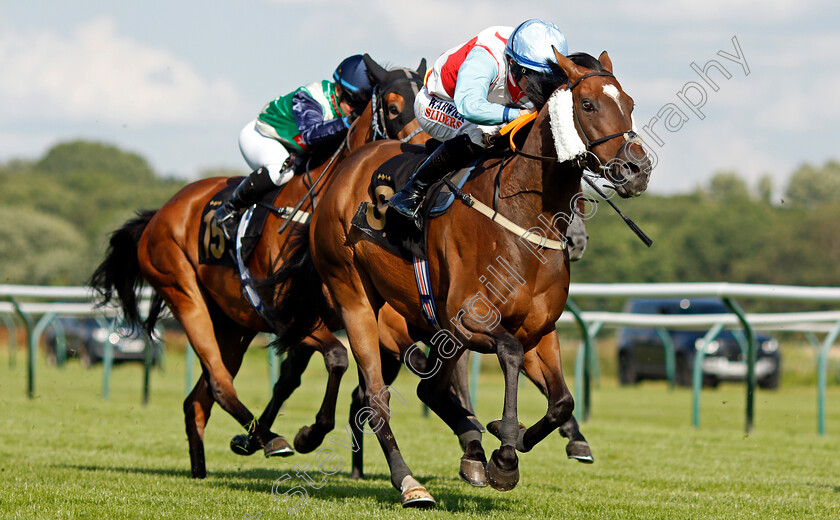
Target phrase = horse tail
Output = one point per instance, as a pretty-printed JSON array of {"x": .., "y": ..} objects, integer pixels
[
  {"x": 300, "y": 303},
  {"x": 119, "y": 274}
]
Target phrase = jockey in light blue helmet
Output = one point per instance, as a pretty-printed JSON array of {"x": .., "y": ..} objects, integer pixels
[{"x": 529, "y": 45}]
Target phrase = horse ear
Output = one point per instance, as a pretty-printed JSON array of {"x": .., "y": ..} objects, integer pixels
[
  {"x": 573, "y": 72},
  {"x": 606, "y": 62},
  {"x": 374, "y": 69},
  {"x": 421, "y": 69}
]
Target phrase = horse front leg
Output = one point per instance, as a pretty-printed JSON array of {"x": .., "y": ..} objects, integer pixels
[
  {"x": 560, "y": 401},
  {"x": 536, "y": 369},
  {"x": 503, "y": 466}
]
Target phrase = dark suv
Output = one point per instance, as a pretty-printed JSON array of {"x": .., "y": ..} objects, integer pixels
[
  {"x": 85, "y": 338},
  {"x": 641, "y": 352}
]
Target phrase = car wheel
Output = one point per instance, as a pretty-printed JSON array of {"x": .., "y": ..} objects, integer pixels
[
  {"x": 84, "y": 357},
  {"x": 627, "y": 370},
  {"x": 770, "y": 382},
  {"x": 683, "y": 372}
]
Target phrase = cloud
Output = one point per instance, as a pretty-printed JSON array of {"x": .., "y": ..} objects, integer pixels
[{"x": 97, "y": 75}]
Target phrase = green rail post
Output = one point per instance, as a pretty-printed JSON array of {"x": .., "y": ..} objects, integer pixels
[
  {"x": 148, "y": 350},
  {"x": 822, "y": 374},
  {"x": 583, "y": 383},
  {"x": 697, "y": 375},
  {"x": 750, "y": 359},
  {"x": 107, "y": 355},
  {"x": 273, "y": 370},
  {"x": 33, "y": 333},
  {"x": 60, "y": 343},
  {"x": 189, "y": 357},
  {"x": 11, "y": 330},
  {"x": 670, "y": 349},
  {"x": 475, "y": 369}
]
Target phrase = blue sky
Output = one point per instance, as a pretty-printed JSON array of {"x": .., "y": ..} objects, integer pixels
[{"x": 175, "y": 81}]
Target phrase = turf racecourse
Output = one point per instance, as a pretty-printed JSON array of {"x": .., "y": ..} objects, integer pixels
[{"x": 69, "y": 454}]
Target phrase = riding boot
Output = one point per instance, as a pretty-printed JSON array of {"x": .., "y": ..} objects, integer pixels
[
  {"x": 451, "y": 155},
  {"x": 249, "y": 192}
]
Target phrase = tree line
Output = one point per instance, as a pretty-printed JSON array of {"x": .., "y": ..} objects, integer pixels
[{"x": 56, "y": 214}]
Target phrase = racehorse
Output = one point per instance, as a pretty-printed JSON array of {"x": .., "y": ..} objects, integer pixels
[
  {"x": 161, "y": 248},
  {"x": 586, "y": 124}
]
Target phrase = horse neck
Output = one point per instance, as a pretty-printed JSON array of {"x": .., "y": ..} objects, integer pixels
[
  {"x": 361, "y": 133},
  {"x": 539, "y": 192}
]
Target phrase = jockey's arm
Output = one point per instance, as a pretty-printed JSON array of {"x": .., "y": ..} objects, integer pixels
[
  {"x": 475, "y": 76},
  {"x": 309, "y": 116}
]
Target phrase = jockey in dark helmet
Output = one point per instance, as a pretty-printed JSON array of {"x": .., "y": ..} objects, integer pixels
[
  {"x": 472, "y": 90},
  {"x": 312, "y": 118}
]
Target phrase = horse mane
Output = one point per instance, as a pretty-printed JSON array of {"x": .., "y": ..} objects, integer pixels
[{"x": 541, "y": 85}]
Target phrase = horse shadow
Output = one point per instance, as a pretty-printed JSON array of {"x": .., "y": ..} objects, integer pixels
[{"x": 336, "y": 488}]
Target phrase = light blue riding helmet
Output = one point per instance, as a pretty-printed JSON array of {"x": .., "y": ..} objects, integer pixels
[{"x": 530, "y": 44}]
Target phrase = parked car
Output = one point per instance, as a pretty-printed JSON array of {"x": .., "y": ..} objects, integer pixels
[
  {"x": 85, "y": 338},
  {"x": 641, "y": 352}
]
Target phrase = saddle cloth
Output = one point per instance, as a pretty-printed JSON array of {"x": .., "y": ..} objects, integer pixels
[{"x": 213, "y": 248}]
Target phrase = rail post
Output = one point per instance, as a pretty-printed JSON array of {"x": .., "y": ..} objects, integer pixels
[
  {"x": 11, "y": 333},
  {"x": 670, "y": 362},
  {"x": 822, "y": 374},
  {"x": 697, "y": 374},
  {"x": 736, "y": 309}
]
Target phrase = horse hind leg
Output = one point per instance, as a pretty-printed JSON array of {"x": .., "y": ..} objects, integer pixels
[
  {"x": 439, "y": 392},
  {"x": 197, "y": 408},
  {"x": 335, "y": 360}
]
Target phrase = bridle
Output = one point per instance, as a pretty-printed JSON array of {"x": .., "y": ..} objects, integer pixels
[
  {"x": 582, "y": 161},
  {"x": 380, "y": 126},
  {"x": 629, "y": 135}
]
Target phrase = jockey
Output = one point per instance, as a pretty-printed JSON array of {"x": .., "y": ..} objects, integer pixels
[
  {"x": 313, "y": 117},
  {"x": 472, "y": 90}
]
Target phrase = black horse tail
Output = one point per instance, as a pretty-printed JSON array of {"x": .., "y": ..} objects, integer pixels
[
  {"x": 300, "y": 303},
  {"x": 119, "y": 274}
]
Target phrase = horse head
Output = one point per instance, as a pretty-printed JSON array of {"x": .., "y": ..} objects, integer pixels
[
  {"x": 591, "y": 121},
  {"x": 393, "y": 100}
]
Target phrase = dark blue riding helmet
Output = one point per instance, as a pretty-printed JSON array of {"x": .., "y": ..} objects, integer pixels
[{"x": 352, "y": 75}]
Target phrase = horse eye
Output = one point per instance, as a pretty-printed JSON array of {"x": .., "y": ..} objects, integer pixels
[
  {"x": 393, "y": 110},
  {"x": 587, "y": 105}
]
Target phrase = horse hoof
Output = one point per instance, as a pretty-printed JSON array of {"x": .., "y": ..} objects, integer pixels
[
  {"x": 473, "y": 473},
  {"x": 415, "y": 495},
  {"x": 501, "y": 479},
  {"x": 580, "y": 451},
  {"x": 493, "y": 428},
  {"x": 307, "y": 439},
  {"x": 241, "y": 445},
  {"x": 278, "y": 447}
]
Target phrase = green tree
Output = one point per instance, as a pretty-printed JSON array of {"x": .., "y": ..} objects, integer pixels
[{"x": 812, "y": 187}]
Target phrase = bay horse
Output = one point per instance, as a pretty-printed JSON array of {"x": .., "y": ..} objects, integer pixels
[
  {"x": 161, "y": 248},
  {"x": 588, "y": 119}
]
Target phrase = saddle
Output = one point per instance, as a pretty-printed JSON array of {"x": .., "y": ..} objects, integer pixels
[{"x": 398, "y": 234}]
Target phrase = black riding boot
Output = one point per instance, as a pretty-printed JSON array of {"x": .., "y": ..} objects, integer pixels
[
  {"x": 449, "y": 156},
  {"x": 249, "y": 192}
]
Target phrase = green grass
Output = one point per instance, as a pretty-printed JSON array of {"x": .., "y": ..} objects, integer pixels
[{"x": 69, "y": 454}]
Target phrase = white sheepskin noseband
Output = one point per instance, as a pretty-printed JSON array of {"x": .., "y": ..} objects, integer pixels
[{"x": 561, "y": 118}]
